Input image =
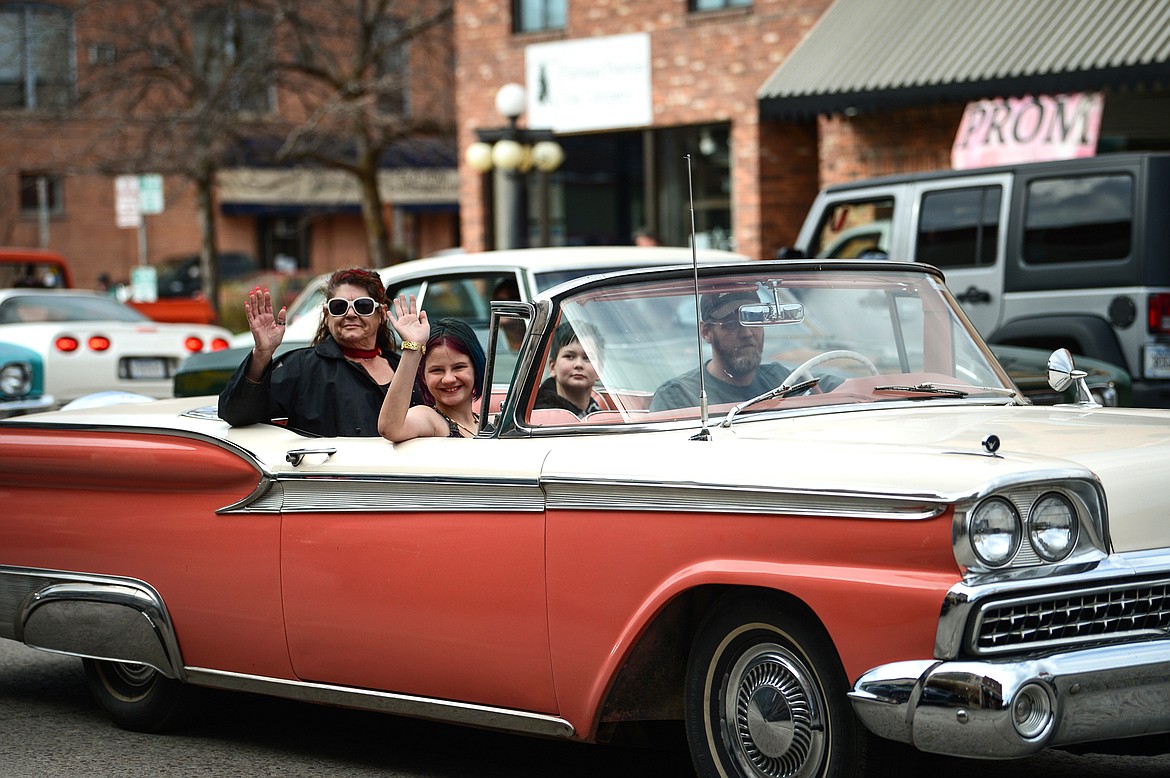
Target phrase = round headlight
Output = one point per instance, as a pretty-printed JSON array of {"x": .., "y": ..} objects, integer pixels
[
  {"x": 995, "y": 531},
  {"x": 15, "y": 380},
  {"x": 1052, "y": 527}
]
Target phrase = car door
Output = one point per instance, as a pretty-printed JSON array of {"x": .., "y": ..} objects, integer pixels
[
  {"x": 960, "y": 226},
  {"x": 418, "y": 568}
]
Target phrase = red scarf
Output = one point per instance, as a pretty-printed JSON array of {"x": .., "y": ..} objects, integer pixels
[{"x": 360, "y": 353}]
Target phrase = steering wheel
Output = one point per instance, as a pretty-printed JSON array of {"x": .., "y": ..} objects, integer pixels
[{"x": 803, "y": 371}]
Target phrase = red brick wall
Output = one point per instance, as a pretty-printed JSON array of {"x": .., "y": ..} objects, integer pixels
[
  {"x": 903, "y": 141},
  {"x": 705, "y": 68}
]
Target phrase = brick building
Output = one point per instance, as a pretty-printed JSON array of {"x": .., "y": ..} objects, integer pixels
[
  {"x": 80, "y": 110},
  {"x": 770, "y": 99},
  {"x": 773, "y": 99}
]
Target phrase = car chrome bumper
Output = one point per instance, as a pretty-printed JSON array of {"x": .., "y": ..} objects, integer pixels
[
  {"x": 978, "y": 708},
  {"x": 12, "y": 407}
]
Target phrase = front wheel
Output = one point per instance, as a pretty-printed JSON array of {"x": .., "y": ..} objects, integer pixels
[
  {"x": 766, "y": 698},
  {"x": 137, "y": 697}
]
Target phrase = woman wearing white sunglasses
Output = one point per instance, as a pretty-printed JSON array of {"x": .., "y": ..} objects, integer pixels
[{"x": 336, "y": 385}]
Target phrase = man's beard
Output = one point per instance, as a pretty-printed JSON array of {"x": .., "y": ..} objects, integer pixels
[{"x": 743, "y": 361}]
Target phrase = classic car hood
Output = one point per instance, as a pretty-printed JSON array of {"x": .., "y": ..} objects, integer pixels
[
  {"x": 1126, "y": 449},
  {"x": 887, "y": 452}
]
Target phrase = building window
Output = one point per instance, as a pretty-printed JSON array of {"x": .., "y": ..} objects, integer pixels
[
  {"x": 539, "y": 15},
  {"x": 36, "y": 56},
  {"x": 37, "y": 186},
  {"x": 716, "y": 5},
  {"x": 392, "y": 67},
  {"x": 233, "y": 51}
]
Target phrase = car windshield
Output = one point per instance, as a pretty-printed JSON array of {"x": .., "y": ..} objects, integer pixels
[
  {"x": 859, "y": 335},
  {"x": 65, "y": 307}
]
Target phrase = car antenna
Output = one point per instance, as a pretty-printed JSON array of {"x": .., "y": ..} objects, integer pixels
[{"x": 703, "y": 433}]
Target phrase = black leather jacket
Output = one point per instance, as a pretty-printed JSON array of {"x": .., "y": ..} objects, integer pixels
[{"x": 316, "y": 388}]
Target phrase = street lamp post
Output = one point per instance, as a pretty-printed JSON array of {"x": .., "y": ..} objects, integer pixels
[{"x": 513, "y": 151}]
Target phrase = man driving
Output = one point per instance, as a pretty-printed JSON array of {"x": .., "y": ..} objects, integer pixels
[{"x": 734, "y": 372}]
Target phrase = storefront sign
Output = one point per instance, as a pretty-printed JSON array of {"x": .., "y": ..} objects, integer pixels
[
  {"x": 1028, "y": 129},
  {"x": 589, "y": 83}
]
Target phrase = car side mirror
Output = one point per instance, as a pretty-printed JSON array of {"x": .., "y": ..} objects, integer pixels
[{"x": 1063, "y": 373}]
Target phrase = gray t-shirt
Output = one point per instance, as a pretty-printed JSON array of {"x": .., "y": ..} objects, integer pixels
[{"x": 683, "y": 391}]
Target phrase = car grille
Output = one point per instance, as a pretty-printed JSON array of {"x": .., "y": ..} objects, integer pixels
[{"x": 1103, "y": 614}]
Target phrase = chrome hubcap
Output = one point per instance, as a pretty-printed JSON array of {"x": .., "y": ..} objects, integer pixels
[{"x": 773, "y": 715}]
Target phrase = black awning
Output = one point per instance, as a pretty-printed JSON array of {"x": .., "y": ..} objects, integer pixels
[{"x": 864, "y": 55}]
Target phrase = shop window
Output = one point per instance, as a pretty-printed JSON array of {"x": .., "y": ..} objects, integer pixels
[
  {"x": 1079, "y": 219},
  {"x": 34, "y": 186},
  {"x": 709, "y": 150},
  {"x": 393, "y": 68},
  {"x": 234, "y": 50},
  {"x": 959, "y": 227},
  {"x": 36, "y": 63},
  {"x": 539, "y": 15},
  {"x": 715, "y": 5}
]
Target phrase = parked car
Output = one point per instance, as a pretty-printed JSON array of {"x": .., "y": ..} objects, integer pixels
[
  {"x": 1064, "y": 254},
  {"x": 33, "y": 268},
  {"x": 22, "y": 381},
  {"x": 90, "y": 343},
  {"x": 889, "y": 548},
  {"x": 180, "y": 286},
  {"x": 455, "y": 284}
]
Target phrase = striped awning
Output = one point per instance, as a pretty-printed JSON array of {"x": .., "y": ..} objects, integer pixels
[{"x": 865, "y": 55}]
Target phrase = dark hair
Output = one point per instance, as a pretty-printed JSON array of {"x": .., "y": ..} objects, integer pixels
[
  {"x": 454, "y": 334},
  {"x": 565, "y": 334},
  {"x": 372, "y": 283}
]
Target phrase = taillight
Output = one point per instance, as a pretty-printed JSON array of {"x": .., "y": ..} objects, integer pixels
[
  {"x": 1158, "y": 314},
  {"x": 193, "y": 344},
  {"x": 98, "y": 343},
  {"x": 66, "y": 344},
  {"x": 218, "y": 344}
]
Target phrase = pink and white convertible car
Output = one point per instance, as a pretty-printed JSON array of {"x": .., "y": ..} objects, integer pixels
[{"x": 888, "y": 550}]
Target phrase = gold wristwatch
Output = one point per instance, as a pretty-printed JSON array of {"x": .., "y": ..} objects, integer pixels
[{"x": 410, "y": 345}]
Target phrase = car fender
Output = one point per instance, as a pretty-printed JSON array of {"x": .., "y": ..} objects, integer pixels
[
  {"x": 120, "y": 620},
  {"x": 841, "y": 598}
]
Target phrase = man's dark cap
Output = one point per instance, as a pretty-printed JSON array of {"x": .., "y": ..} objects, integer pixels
[{"x": 720, "y": 305}]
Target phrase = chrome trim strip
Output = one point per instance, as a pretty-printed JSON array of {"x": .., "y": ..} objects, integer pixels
[
  {"x": 387, "y": 702},
  {"x": 364, "y": 494},
  {"x": 590, "y": 494},
  {"x": 97, "y": 616}
]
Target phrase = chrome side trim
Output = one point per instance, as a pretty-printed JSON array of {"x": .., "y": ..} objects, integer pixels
[
  {"x": 333, "y": 494},
  {"x": 320, "y": 494},
  {"x": 101, "y": 617},
  {"x": 584, "y": 494},
  {"x": 385, "y": 702}
]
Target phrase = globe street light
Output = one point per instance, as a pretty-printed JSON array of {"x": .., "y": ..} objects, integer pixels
[{"x": 514, "y": 151}]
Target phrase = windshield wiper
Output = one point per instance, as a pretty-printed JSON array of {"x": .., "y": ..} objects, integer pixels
[
  {"x": 937, "y": 390},
  {"x": 947, "y": 390},
  {"x": 779, "y": 391}
]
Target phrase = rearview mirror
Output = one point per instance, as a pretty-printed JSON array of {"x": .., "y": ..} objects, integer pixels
[{"x": 767, "y": 314}]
